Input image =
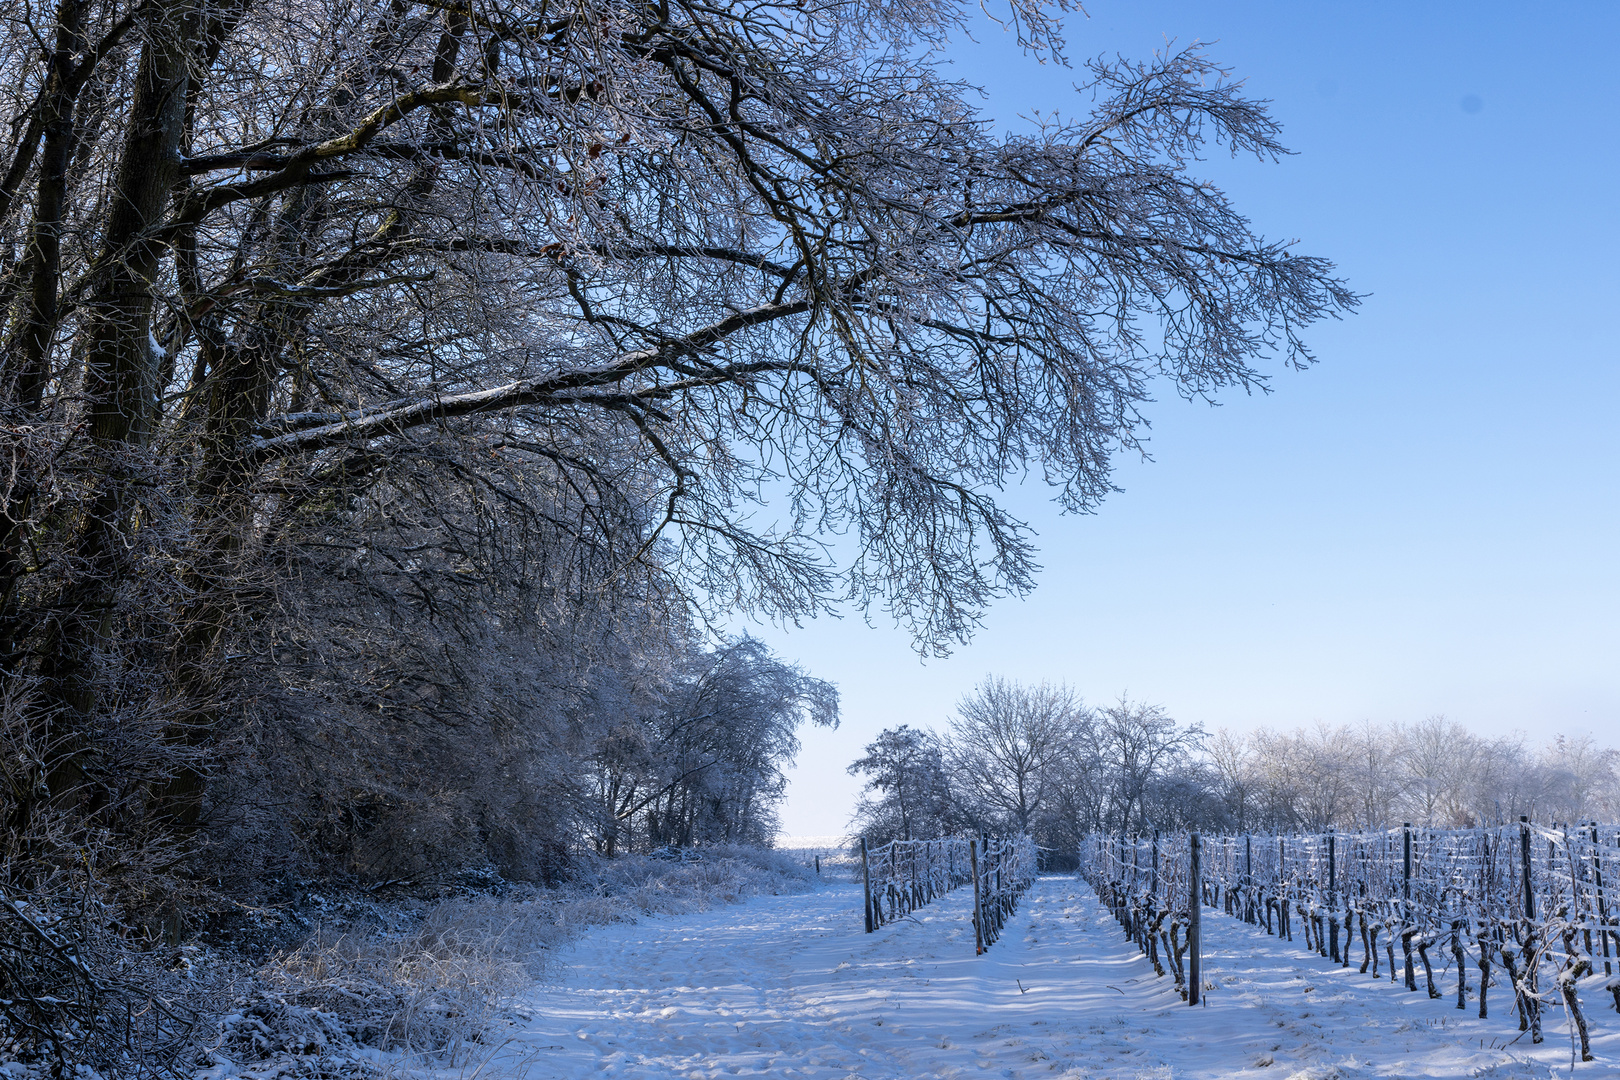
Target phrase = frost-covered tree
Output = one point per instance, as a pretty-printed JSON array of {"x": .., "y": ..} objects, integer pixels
[
  {"x": 1434, "y": 772},
  {"x": 1130, "y": 768},
  {"x": 1137, "y": 744},
  {"x": 906, "y": 793},
  {"x": 627, "y": 265},
  {"x": 1236, "y": 780},
  {"x": 727, "y": 729},
  {"x": 1436, "y": 758},
  {"x": 1008, "y": 745}
]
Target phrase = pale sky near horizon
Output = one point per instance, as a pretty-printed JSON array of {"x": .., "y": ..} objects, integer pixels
[{"x": 1424, "y": 522}]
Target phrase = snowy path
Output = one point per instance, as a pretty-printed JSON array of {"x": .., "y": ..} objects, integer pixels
[{"x": 790, "y": 987}]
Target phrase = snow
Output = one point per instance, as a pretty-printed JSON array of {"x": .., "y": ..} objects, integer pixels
[
  {"x": 825, "y": 842},
  {"x": 789, "y": 986}
]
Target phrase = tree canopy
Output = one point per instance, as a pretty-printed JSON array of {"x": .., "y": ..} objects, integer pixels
[{"x": 504, "y": 314}]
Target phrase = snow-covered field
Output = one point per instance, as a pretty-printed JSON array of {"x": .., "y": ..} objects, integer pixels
[
  {"x": 825, "y": 842},
  {"x": 789, "y": 986}
]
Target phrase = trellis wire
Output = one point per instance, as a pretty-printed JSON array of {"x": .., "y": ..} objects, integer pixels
[
  {"x": 1535, "y": 900},
  {"x": 903, "y": 875}
]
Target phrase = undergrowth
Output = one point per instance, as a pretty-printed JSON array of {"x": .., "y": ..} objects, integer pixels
[{"x": 412, "y": 985}]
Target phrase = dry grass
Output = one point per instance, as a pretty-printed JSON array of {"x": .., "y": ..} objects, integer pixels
[
  {"x": 724, "y": 875},
  {"x": 424, "y": 992},
  {"x": 430, "y": 998}
]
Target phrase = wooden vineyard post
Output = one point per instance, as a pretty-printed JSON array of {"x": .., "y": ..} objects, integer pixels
[
  {"x": 1156, "y": 868},
  {"x": 1605, "y": 924},
  {"x": 1195, "y": 905},
  {"x": 1122, "y": 909},
  {"x": 911, "y": 872},
  {"x": 1333, "y": 911},
  {"x": 1602, "y": 905},
  {"x": 1129, "y": 891},
  {"x": 1406, "y": 868},
  {"x": 1248, "y": 878},
  {"x": 1406, "y": 905},
  {"x": 978, "y": 908},
  {"x": 1001, "y": 851},
  {"x": 1524, "y": 864},
  {"x": 1484, "y": 961},
  {"x": 1529, "y": 1003},
  {"x": 1284, "y": 927},
  {"x": 1228, "y": 863},
  {"x": 866, "y": 885}
]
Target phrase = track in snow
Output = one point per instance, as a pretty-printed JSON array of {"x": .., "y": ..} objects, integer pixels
[{"x": 790, "y": 987}]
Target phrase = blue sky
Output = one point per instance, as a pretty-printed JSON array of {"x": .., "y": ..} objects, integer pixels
[{"x": 1423, "y": 523}]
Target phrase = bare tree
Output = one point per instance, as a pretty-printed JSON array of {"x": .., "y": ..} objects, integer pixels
[
  {"x": 1437, "y": 757},
  {"x": 907, "y": 793},
  {"x": 666, "y": 255},
  {"x": 728, "y": 727},
  {"x": 438, "y": 664},
  {"x": 1138, "y": 742},
  {"x": 1307, "y": 780},
  {"x": 1078, "y": 799},
  {"x": 1377, "y": 774},
  {"x": 1032, "y": 758},
  {"x": 1008, "y": 743},
  {"x": 1435, "y": 772},
  {"x": 1237, "y": 780}
]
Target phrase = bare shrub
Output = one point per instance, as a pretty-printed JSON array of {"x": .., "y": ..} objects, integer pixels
[
  {"x": 432, "y": 991},
  {"x": 437, "y": 991},
  {"x": 77, "y": 994},
  {"x": 720, "y": 873}
]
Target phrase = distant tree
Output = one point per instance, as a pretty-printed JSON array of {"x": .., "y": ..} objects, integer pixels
[
  {"x": 1235, "y": 779},
  {"x": 1433, "y": 772},
  {"x": 1436, "y": 758},
  {"x": 706, "y": 764},
  {"x": 1034, "y": 758},
  {"x": 1077, "y": 800},
  {"x": 1576, "y": 778},
  {"x": 1179, "y": 797},
  {"x": 1009, "y": 744},
  {"x": 907, "y": 793},
  {"x": 1137, "y": 743},
  {"x": 1305, "y": 777},
  {"x": 1376, "y": 774}
]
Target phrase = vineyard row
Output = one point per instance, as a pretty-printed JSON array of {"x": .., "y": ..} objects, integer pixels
[
  {"x": 1531, "y": 901},
  {"x": 903, "y": 875}
]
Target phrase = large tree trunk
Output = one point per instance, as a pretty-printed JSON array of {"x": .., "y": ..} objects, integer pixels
[
  {"x": 121, "y": 368},
  {"x": 34, "y": 321}
]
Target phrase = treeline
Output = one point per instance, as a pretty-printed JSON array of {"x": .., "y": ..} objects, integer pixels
[
  {"x": 515, "y": 755},
  {"x": 1037, "y": 758},
  {"x": 1433, "y": 772},
  {"x": 406, "y": 707},
  {"x": 393, "y": 396}
]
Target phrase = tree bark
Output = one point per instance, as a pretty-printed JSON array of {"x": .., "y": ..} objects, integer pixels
[{"x": 120, "y": 370}]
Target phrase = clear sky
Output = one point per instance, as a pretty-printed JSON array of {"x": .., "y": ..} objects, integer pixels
[{"x": 1423, "y": 523}]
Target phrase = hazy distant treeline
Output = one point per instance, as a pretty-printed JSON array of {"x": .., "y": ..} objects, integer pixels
[{"x": 1039, "y": 758}]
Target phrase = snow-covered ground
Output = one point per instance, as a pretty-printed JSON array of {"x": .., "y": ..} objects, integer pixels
[
  {"x": 824, "y": 842},
  {"x": 789, "y": 986}
]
